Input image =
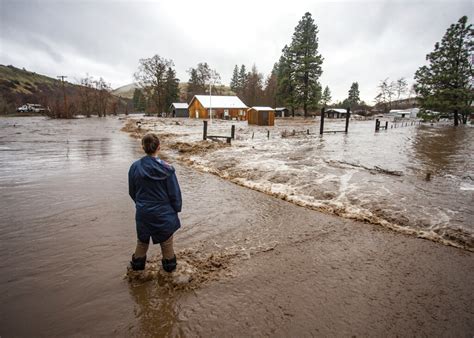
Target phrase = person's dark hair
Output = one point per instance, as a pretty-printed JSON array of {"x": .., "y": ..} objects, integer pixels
[{"x": 150, "y": 142}]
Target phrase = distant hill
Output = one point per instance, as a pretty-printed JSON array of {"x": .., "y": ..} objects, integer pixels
[
  {"x": 25, "y": 82},
  {"x": 128, "y": 90},
  {"x": 20, "y": 86}
]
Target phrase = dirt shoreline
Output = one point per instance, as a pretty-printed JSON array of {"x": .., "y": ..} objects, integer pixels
[
  {"x": 328, "y": 276},
  {"x": 349, "y": 279}
]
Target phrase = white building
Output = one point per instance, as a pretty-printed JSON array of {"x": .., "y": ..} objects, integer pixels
[{"x": 404, "y": 113}]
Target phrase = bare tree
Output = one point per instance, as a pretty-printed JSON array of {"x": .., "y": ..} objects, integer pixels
[
  {"x": 86, "y": 94},
  {"x": 102, "y": 95},
  {"x": 385, "y": 94},
  {"x": 153, "y": 76},
  {"x": 400, "y": 87}
]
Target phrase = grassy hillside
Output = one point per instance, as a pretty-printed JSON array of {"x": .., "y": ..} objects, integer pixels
[
  {"x": 126, "y": 91},
  {"x": 22, "y": 81},
  {"x": 20, "y": 86}
]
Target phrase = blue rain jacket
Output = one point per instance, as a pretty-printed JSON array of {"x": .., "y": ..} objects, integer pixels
[{"x": 154, "y": 188}]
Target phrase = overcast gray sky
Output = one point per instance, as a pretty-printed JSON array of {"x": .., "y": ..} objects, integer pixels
[{"x": 363, "y": 41}]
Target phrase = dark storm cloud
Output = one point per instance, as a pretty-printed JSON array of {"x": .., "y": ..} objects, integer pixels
[{"x": 360, "y": 41}]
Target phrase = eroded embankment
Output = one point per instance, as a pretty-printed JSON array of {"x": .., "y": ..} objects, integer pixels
[{"x": 199, "y": 155}]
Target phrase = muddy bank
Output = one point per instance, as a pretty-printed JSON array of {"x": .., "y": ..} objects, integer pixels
[{"x": 339, "y": 278}]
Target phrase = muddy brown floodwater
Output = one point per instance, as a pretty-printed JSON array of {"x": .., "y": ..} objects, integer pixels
[{"x": 256, "y": 265}]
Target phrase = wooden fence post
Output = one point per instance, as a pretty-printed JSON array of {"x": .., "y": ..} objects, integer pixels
[
  {"x": 348, "y": 115},
  {"x": 377, "y": 124},
  {"x": 321, "y": 124},
  {"x": 386, "y": 125},
  {"x": 232, "y": 132},
  {"x": 204, "y": 131}
]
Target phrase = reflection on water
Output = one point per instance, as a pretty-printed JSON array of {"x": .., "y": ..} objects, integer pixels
[
  {"x": 445, "y": 150},
  {"x": 155, "y": 309}
]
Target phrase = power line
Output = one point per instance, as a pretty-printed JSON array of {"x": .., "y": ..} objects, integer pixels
[{"x": 62, "y": 77}]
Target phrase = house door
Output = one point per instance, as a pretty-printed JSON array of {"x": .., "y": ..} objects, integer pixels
[
  {"x": 197, "y": 114},
  {"x": 264, "y": 120}
]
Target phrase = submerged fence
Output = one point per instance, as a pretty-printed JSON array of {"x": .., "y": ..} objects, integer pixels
[
  {"x": 228, "y": 139},
  {"x": 321, "y": 123},
  {"x": 378, "y": 127}
]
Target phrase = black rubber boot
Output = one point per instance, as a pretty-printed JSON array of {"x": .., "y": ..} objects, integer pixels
[
  {"x": 169, "y": 265},
  {"x": 138, "y": 263}
]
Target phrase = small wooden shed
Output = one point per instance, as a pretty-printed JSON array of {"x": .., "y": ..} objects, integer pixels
[
  {"x": 282, "y": 112},
  {"x": 336, "y": 113},
  {"x": 261, "y": 116},
  {"x": 179, "y": 110}
]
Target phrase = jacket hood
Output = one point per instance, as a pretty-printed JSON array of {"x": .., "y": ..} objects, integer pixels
[{"x": 154, "y": 168}]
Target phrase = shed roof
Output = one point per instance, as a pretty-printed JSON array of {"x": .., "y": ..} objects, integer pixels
[
  {"x": 180, "y": 105},
  {"x": 337, "y": 110},
  {"x": 259, "y": 108},
  {"x": 220, "y": 101}
]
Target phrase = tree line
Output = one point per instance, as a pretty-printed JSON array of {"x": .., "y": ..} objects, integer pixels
[
  {"x": 90, "y": 97},
  {"x": 444, "y": 84},
  {"x": 294, "y": 80}
]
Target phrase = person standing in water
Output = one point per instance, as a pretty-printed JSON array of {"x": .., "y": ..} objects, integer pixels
[{"x": 154, "y": 188}]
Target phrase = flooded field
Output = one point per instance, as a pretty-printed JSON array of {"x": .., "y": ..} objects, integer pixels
[
  {"x": 68, "y": 231},
  {"x": 67, "y": 222},
  {"x": 414, "y": 178}
]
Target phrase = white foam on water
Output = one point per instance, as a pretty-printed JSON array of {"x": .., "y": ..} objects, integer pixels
[
  {"x": 466, "y": 186},
  {"x": 320, "y": 174}
]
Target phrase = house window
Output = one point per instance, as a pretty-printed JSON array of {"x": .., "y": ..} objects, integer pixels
[
  {"x": 241, "y": 112},
  {"x": 226, "y": 112}
]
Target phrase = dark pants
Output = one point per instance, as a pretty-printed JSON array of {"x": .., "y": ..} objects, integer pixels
[{"x": 167, "y": 250}]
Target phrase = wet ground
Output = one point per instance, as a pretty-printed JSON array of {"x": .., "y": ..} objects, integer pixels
[{"x": 257, "y": 264}]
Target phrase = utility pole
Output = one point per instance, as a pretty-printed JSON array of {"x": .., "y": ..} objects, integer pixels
[
  {"x": 210, "y": 101},
  {"x": 62, "y": 77}
]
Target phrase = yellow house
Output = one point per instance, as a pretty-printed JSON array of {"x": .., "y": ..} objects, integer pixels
[{"x": 223, "y": 107}]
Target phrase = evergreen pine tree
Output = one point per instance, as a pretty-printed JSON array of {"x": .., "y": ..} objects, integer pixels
[
  {"x": 172, "y": 87},
  {"x": 200, "y": 77},
  {"x": 326, "y": 97},
  {"x": 142, "y": 102},
  {"x": 445, "y": 84},
  {"x": 194, "y": 87},
  {"x": 353, "y": 98},
  {"x": 253, "y": 90},
  {"x": 286, "y": 79},
  {"x": 307, "y": 63},
  {"x": 136, "y": 98},
  {"x": 271, "y": 86},
  {"x": 234, "y": 82},
  {"x": 242, "y": 82}
]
